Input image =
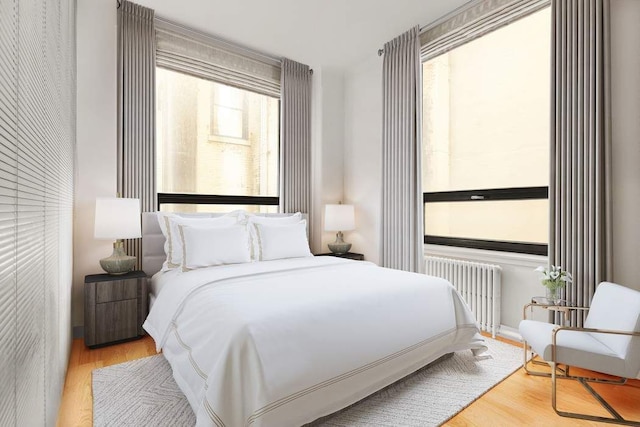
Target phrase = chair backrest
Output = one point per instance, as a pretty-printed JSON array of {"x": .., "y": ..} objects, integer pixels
[{"x": 617, "y": 307}]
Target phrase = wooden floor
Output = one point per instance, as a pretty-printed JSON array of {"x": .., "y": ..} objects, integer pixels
[{"x": 519, "y": 400}]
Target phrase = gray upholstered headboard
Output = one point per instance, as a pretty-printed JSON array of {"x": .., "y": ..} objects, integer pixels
[{"x": 153, "y": 241}]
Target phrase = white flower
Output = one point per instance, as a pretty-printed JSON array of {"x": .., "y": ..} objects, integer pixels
[{"x": 555, "y": 274}]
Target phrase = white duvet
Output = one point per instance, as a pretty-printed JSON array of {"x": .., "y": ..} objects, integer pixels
[{"x": 282, "y": 343}]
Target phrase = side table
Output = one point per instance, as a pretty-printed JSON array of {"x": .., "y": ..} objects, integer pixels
[{"x": 114, "y": 307}]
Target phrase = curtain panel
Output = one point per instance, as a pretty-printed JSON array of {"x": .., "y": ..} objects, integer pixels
[
  {"x": 295, "y": 140},
  {"x": 402, "y": 207},
  {"x": 136, "y": 109},
  {"x": 579, "y": 190}
]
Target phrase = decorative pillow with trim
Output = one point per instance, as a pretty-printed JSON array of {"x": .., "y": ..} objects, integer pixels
[
  {"x": 281, "y": 241},
  {"x": 211, "y": 246},
  {"x": 173, "y": 243}
]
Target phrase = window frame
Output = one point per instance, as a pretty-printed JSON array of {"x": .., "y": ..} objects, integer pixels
[
  {"x": 213, "y": 124},
  {"x": 215, "y": 199},
  {"x": 224, "y": 199},
  {"x": 494, "y": 194},
  {"x": 464, "y": 26}
]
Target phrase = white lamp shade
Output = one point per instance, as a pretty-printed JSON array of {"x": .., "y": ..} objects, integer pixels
[
  {"x": 117, "y": 218},
  {"x": 339, "y": 218}
]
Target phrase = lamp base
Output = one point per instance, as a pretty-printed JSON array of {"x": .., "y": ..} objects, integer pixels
[
  {"x": 339, "y": 246},
  {"x": 119, "y": 262}
]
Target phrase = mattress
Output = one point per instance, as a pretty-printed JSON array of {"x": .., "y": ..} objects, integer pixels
[{"x": 285, "y": 342}]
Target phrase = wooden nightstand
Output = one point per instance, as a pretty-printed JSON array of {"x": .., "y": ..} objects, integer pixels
[
  {"x": 114, "y": 307},
  {"x": 348, "y": 255}
]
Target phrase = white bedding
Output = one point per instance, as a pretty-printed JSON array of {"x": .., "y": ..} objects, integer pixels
[{"x": 281, "y": 343}]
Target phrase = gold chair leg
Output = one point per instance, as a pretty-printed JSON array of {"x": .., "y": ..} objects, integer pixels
[
  {"x": 616, "y": 417},
  {"x": 527, "y": 361}
]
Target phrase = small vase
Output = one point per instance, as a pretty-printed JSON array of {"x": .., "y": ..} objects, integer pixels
[{"x": 553, "y": 295}]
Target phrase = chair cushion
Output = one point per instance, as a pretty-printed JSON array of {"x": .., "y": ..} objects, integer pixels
[
  {"x": 579, "y": 349},
  {"x": 616, "y": 307}
]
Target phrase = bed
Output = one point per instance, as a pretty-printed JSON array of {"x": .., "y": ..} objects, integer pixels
[{"x": 286, "y": 341}]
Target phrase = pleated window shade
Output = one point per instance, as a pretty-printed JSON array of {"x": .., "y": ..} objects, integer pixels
[
  {"x": 473, "y": 21},
  {"x": 190, "y": 52}
]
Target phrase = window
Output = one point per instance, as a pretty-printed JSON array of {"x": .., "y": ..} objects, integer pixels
[
  {"x": 217, "y": 146},
  {"x": 229, "y": 112},
  {"x": 486, "y": 110}
]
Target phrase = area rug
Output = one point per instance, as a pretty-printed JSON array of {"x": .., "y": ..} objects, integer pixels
[{"x": 143, "y": 393}]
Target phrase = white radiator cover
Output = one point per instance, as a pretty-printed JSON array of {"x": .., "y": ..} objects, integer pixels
[{"x": 479, "y": 285}]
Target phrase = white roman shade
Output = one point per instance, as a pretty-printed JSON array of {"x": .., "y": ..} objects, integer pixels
[
  {"x": 190, "y": 52},
  {"x": 472, "y": 21}
]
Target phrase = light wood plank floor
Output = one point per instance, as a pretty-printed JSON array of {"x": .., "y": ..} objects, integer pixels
[{"x": 519, "y": 400}]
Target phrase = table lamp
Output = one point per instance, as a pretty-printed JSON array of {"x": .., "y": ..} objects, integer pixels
[
  {"x": 117, "y": 219},
  {"x": 339, "y": 218}
]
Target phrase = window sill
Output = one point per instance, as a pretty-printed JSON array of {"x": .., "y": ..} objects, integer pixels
[{"x": 495, "y": 257}]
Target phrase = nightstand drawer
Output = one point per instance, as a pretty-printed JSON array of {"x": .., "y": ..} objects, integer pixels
[
  {"x": 118, "y": 320},
  {"x": 116, "y": 290}
]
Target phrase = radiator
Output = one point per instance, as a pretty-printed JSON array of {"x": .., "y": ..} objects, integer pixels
[{"x": 479, "y": 285}]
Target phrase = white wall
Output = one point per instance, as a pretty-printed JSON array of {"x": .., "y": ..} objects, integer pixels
[
  {"x": 625, "y": 104},
  {"x": 96, "y": 136},
  {"x": 363, "y": 154},
  {"x": 327, "y": 151}
]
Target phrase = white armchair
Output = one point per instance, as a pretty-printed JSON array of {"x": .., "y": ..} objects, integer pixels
[{"x": 609, "y": 343}]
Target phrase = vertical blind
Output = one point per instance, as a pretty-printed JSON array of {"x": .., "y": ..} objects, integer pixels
[{"x": 37, "y": 139}]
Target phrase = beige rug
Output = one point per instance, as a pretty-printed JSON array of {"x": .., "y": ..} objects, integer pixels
[{"x": 143, "y": 393}]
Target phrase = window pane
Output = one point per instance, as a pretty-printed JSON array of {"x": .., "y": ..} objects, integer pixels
[
  {"x": 509, "y": 220},
  {"x": 215, "y": 139},
  {"x": 486, "y": 110},
  {"x": 175, "y": 207}
]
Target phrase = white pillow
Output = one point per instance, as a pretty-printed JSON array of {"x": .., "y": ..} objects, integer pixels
[
  {"x": 282, "y": 241},
  {"x": 267, "y": 220},
  {"x": 173, "y": 245},
  {"x": 275, "y": 220},
  {"x": 210, "y": 246}
]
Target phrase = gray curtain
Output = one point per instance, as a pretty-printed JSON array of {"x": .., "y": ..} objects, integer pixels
[
  {"x": 402, "y": 228},
  {"x": 136, "y": 109},
  {"x": 295, "y": 139},
  {"x": 580, "y": 146}
]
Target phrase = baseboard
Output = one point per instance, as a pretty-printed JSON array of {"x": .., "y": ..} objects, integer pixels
[{"x": 509, "y": 333}]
